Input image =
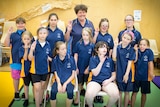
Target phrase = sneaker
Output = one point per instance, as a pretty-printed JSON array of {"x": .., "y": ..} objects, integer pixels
[
  {"x": 83, "y": 92},
  {"x": 16, "y": 96},
  {"x": 129, "y": 102},
  {"x": 47, "y": 97},
  {"x": 23, "y": 96},
  {"x": 98, "y": 99},
  {"x": 25, "y": 104}
]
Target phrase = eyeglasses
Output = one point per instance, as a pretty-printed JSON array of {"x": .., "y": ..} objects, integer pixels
[{"x": 128, "y": 19}]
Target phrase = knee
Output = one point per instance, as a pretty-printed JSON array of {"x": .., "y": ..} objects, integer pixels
[{"x": 89, "y": 94}]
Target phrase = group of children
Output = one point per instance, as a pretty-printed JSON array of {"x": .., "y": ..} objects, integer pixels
[{"x": 114, "y": 67}]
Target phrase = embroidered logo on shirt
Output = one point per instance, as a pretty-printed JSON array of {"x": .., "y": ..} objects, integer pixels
[
  {"x": 89, "y": 51},
  {"x": 109, "y": 40},
  {"x": 58, "y": 35},
  {"x": 107, "y": 64},
  {"x": 47, "y": 51},
  {"x": 68, "y": 65},
  {"x": 145, "y": 58},
  {"x": 127, "y": 55}
]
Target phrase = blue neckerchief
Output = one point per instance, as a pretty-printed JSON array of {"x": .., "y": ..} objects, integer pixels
[{"x": 20, "y": 32}]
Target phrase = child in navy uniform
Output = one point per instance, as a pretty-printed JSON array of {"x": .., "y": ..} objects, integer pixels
[
  {"x": 103, "y": 76},
  {"x": 82, "y": 53},
  {"x": 144, "y": 71},
  {"x": 63, "y": 66},
  {"x": 26, "y": 64},
  {"x": 40, "y": 51},
  {"x": 124, "y": 55},
  {"x": 103, "y": 35},
  {"x": 14, "y": 40}
]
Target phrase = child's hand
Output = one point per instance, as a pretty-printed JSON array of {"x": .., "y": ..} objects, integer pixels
[
  {"x": 116, "y": 42},
  {"x": 77, "y": 71},
  {"x": 33, "y": 46},
  {"x": 60, "y": 88},
  {"x": 26, "y": 45},
  {"x": 69, "y": 26},
  {"x": 49, "y": 58},
  {"x": 125, "y": 78},
  {"x": 96, "y": 32},
  {"x": 102, "y": 58},
  {"x": 136, "y": 47},
  {"x": 86, "y": 71},
  {"x": 105, "y": 82},
  {"x": 64, "y": 87},
  {"x": 10, "y": 30}
]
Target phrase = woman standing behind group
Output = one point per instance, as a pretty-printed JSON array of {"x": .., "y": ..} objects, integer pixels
[{"x": 74, "y": 27}]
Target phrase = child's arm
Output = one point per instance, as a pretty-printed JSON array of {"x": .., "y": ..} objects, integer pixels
[
  {"x": 151, "y": 69},
  {"x": 76, "y": 60},
  {"x": 136, "y": 51},
  {"x": 68, "y": 81},
  {"x": 86, "y": 70},
  {"x": 69, "y": 29},
  {"x": 60, "y": 89},
  {"x": 114, "y": 54},
  {"x": 125, "y": 77},
  {"x": 33, "y": 46},
  {"x": 96, "y": 70},
  {"x": 112, "y": 78},
  {"x": 7, "y": 39},
  {"x": 110, "y": 52}
]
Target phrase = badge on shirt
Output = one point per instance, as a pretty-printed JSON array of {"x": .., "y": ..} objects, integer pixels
[
  {"x": 145, "y": 58},
  {"x": 69, "y": 65}
]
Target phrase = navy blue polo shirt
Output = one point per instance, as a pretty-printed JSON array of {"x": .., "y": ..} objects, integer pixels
[
  {"x": 142, "y": 64},
  {"x": 106, "y": 70},
  {"x": 123, "y": 56},
  {"x": 137, "y": 36},
  {"x": 26, "y": 63},
  {"x": 41, "y": 58},
  {"x": 54, "y": 36},
  {"x": 84, "y": 53},
  {"x": 16, "y": 43},
  {"x": 106, "y": 38},
  {"x": 63, "y": 68},
  {"x": 76, "y": 32}
]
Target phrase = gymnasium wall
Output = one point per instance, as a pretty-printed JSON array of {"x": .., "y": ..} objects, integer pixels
[{"x": 114, "y": 10}]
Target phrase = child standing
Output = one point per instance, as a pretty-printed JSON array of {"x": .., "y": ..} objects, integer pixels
[
  {"x": 103, "y": 35},
  {"x": 14, "y": 40},
  {"x": 144, "y": 71},
  {"x": 64, "y": 67},
  {"x": 124, "y": 55},
  {"x": 82, "y": 53},
  {"x": 41, "y": 52},
  {"x": 103, "y": 75},
  {"x": 26, "y": 64}
]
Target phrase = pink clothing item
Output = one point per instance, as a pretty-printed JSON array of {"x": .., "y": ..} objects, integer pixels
[{"x": 15, "y": 74}]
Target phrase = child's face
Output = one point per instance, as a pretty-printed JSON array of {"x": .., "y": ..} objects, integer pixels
[
  {"x": 42, "y": 34},
  {"x": 26, "y": 39},
  {"x": 129, "y": 21},
  {"x": 143, "y": 45},
  {"x": 102, "y": 50},
  {"x": 104, "y": 26},
  {"x": 126, "y": 39},
  {"x": 53, "y": 21},
  {"x": 85, "y": 35},
  {"x": 62, "y": 50},
  {"x": 21, "y": 26}
]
